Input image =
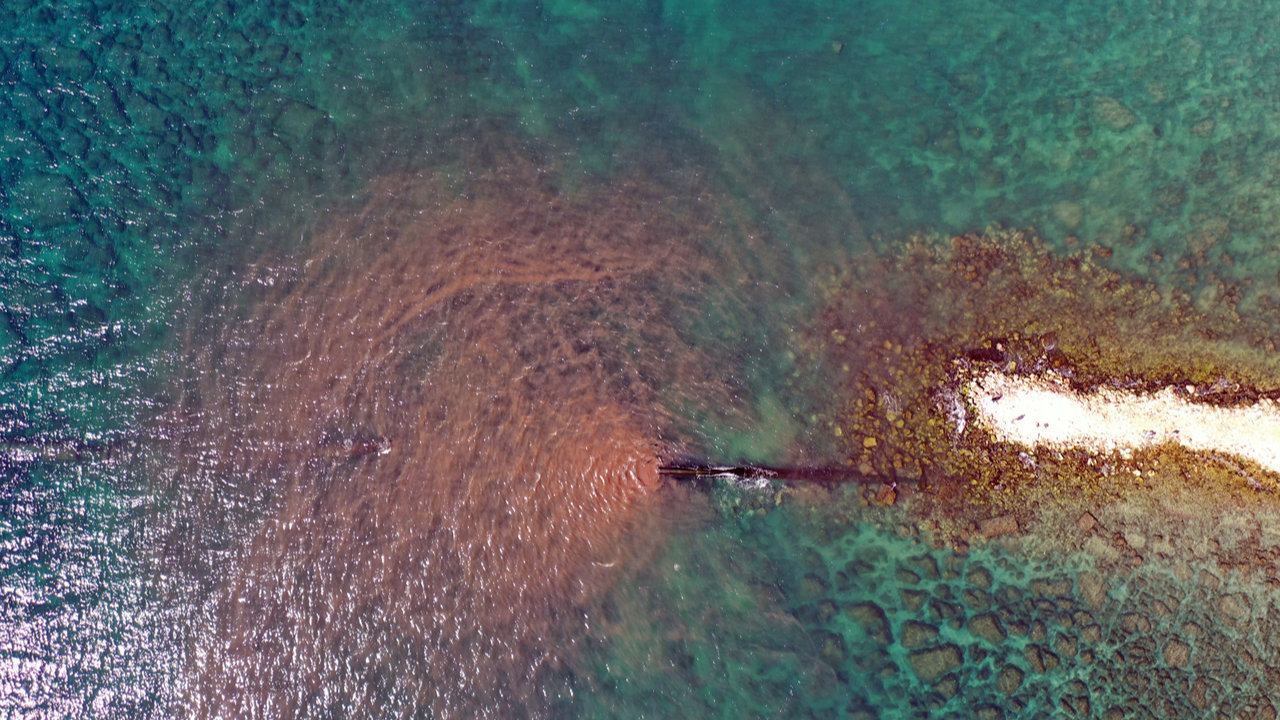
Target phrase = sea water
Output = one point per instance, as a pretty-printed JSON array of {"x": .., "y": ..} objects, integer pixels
[{"x": 342, "y": 338}]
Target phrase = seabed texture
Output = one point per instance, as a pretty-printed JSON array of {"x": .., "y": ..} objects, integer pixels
[{"x": 340, "y": 341}]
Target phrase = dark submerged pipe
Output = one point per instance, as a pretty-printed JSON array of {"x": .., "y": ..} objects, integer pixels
[{"x": 704, "y": 471}]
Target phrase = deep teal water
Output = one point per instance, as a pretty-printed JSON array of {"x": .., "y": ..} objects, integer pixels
[{"x": 150, "y": 151}]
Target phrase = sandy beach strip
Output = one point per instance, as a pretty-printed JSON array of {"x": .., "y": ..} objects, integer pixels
[{"x": 1042, "y": 411}]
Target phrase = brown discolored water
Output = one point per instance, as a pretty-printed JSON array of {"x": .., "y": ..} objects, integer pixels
[{"x": 452, "y": 404}]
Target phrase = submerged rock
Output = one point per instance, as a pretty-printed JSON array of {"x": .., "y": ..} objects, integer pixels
[
  {"x": 1112, "y": 113},
  {"x": 1176, "y": 653},
  {"x": 916, "y": 634},
  {"x": 980, "y": 577},
  {"x": 997, "y": 526},
  {"x": 931, "y": 664},
  {"x": 988, "y": 627},
  {"x": 1093, "y": 589},
  {"x": 1010, "y": 679},
  {"x": 873, "y": 621}
]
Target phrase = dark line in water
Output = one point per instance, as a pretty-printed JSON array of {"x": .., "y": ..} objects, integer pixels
[{"x": 706, "y": 471}]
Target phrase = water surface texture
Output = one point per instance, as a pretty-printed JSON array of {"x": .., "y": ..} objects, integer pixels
[{"x": 343, "y": 341}]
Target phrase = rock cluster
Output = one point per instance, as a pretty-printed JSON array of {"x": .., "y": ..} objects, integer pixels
[{"x": 996, "y": 633}]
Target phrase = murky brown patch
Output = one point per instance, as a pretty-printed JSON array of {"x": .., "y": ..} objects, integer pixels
[{"x": 455, "y": 399}]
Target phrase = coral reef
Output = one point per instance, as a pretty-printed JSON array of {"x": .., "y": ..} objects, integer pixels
[
  {"x": 1158, "y": 606},
  {"x": 899, "y": 330}
]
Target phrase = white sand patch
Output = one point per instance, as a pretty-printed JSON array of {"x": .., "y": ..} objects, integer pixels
[{"x": 1043, "y": 411}]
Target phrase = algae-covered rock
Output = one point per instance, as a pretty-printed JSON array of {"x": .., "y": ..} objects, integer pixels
[
  {"x": 1033, "y": 658},
  {"x": 927, "y": 566},
  {"x": 989, "y": 712},
  {"x": 916, "y": 634},
  {"x": 1112, "y": 113},
  {"x": 873, "y": 621},
  {"x": 1010, "y": 679},
  {"x": 976, "y": 600},
  {"x": 987, "y": 627},
  {"x": 811, "y": 587},
  {"x": 997, "y": 526},
  {"x": 1052, "y": 587},
  {"x": 948, "y": 686},
  {"x": 1066, "y": 645},
  {"x": 980, "y": 577},
  {"x": 933, "y": 663},
  {"x": 1176, "y": 653},
  {"x": 1235, "y": 607},
  {"x": 913, "y": 600}
]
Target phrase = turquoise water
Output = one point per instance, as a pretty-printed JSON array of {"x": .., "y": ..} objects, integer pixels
[{"x": 156, "y": 156}]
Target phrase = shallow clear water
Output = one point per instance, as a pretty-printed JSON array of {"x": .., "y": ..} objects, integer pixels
[{"x": 342, "y": 339}]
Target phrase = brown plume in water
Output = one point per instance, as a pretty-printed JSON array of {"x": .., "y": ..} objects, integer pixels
[{"x": 456, "y": 402}]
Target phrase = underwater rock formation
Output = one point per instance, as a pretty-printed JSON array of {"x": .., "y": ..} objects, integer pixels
[{"x": 899, "y": 328}]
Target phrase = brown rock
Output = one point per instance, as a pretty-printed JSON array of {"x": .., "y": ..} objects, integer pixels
[
  {"x": 1008, "y": 594},
  {"x": 927, "y": 566},
  {"x": 1066, "y": 645},
  {"x": 1235, "y": 607},
  {"x": 1069, "y": 214},
  {"x": 931, "y": 664},
  {"x": 1204, "y": 128},
  {"x": 812, "y": 587},
  {"x": 831, "y": 648},
  {"x": 1176, "y": 653},
  {"x": 915, "y": 634},
  {"x": 1093, "y": 589},
  {"x": 988, "y": 628},
  {"x": 1210, "y": 580},
  {"x": 1087, "y": 522},
  {"x": 1078, "y": 704},
  {"x": 976, "y": 600},
  {"x": 826, "y": 611},
  {"x": 1199, "y": 694},
  {"x": 1135, "y": 623},
  {"x": 873, "y": 621},
  {"x": 1112, "y": 113},
  {"x": 997, "y": 526},
  {"x": 1052, "y": 587},
  {"x": 907, "y": 577},
  {"x": 948, "y": 686},
  {"x": 943, "y": 610},
  {"x": 1182, "y": 571},
  {"x": 981, "y": 577},
  {"x": 1051, "y": 661},
  {"x": 1034, "y": 659},
  {"x": 913, "y": 600},
  {"x": 1010, "y": 679}
]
